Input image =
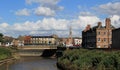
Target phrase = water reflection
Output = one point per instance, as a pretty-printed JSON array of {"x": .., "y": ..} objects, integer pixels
[{"x": 31, "y": 63}]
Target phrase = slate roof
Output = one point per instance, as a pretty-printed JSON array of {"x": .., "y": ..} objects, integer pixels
[{"x": 42, "y": 37}]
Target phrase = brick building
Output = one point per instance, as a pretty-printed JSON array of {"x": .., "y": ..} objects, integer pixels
[
  {"x": 27, "y": 40},
  {"x": 98, "y": 36},
  {"x": 116, "y": 38},
  {"x": 39, "y": 40},
  {"x": 42, "y": 40},
  {"x": 17, "y": 43}
]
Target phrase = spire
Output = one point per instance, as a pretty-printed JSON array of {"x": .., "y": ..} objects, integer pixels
[
  {"x": 69, "y": 40},
  {"x": 70, "y": 33}
]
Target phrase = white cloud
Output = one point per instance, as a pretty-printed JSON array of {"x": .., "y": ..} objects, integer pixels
[
  {"x": 45, "y": 26},
  {"x": 54, "y": 24},
  {"x": 48, "y": 26},
  {"x": 53, "y": 6},
  {"x": 84, "y": 19},
  {"x": 53, "y": 2},
  {"x": 44, "y": 11},
  {"x": 46, "y": 7},
  {"x": 109, "y": 8},
  {"x": 115, "y": 20},
  {"x": 4, "y": 25},
  {"x": 23, "y": 12},
  {"x": 86, "y": 14}
]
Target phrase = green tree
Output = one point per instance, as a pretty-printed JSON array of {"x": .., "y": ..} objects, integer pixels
[{"x": 1, "y": 37}]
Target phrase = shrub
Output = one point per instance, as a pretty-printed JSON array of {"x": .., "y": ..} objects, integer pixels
[
  {"x": 4, "y": 53},
  {"x": 83, "y": 59}
]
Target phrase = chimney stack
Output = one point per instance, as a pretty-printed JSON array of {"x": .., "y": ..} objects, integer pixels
[
  {"x": 107, "y": 23},
  {"x": 88, "y": 27},
  {"x": 99, "y": 24}
]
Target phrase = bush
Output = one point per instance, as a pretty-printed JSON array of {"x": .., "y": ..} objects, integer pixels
[
  {"x": 83, "y": 59},
  {"x": 4, "y": 53}
]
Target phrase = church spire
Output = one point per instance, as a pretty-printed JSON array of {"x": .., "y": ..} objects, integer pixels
[{"x": 70, "y": 32}]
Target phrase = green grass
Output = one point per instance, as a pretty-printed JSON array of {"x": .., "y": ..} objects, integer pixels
[
  {"x": 4, "y": 53},
  {"x": 84, "y": 59}
]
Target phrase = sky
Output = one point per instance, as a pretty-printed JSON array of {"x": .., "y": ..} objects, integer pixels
[{"x": 47, "y": 17}]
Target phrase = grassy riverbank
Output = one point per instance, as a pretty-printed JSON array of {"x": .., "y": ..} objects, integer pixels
[
  {"x": 5, "y": 53},
  {"x": 84, "y": 59}
]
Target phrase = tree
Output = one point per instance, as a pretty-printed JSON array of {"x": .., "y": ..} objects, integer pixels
[
  {"x": 1, "y": 37},
  {"x": 7, "y": 39}
]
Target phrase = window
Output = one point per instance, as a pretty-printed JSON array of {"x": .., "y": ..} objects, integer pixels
[
  {"x": 110, "y": 40},
  {"x": 104, "y": 39},
  {"x": 98, "y": 39},
  {"x": 33, "y": 38},
  {"x": 104, "y": 33},
  {"x": 50, "y": 42},
  {"x": 98, "y": 33},
  {"x": 45, "y": 42}
]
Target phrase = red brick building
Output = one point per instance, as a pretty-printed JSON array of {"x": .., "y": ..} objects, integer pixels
[
  {"x": 27, "y": 40},
  {"x": 98, "y": 36}
]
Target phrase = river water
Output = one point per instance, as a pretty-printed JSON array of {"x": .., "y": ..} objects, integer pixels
[{"x": 31, "y": 63}]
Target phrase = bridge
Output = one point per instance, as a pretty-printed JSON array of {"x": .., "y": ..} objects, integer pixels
[
  {"x": 36, "y": 47},
  {"x": 37, "y": 50}
]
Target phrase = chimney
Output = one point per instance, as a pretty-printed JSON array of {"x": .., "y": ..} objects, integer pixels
[
  {"x": 87, "y": 28},
  {"x": 99, "y": 24},
  {"x": 107, "y": 23}
]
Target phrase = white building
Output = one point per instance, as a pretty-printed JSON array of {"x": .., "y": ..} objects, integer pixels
[{"x": 77, "y": 42}]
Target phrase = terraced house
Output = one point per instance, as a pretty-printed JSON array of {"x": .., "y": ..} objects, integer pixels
[
  {"x": 98, "y": 36},
  {"x": 40, "y": 40}
]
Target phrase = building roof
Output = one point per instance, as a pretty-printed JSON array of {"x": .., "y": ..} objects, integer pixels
[
  {"x": 42, "y": 37},
  {"x": 101, "y": 27},
  {"x": 117, "y": 29}
]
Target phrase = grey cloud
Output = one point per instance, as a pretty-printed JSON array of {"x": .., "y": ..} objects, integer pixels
[{"x": 109, "y": 8}]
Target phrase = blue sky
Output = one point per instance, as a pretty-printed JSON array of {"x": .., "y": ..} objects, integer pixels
[{"x": 46, "y": 17}]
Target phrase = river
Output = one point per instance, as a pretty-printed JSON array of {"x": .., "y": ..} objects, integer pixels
[{"x": 31, "y": 63}]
